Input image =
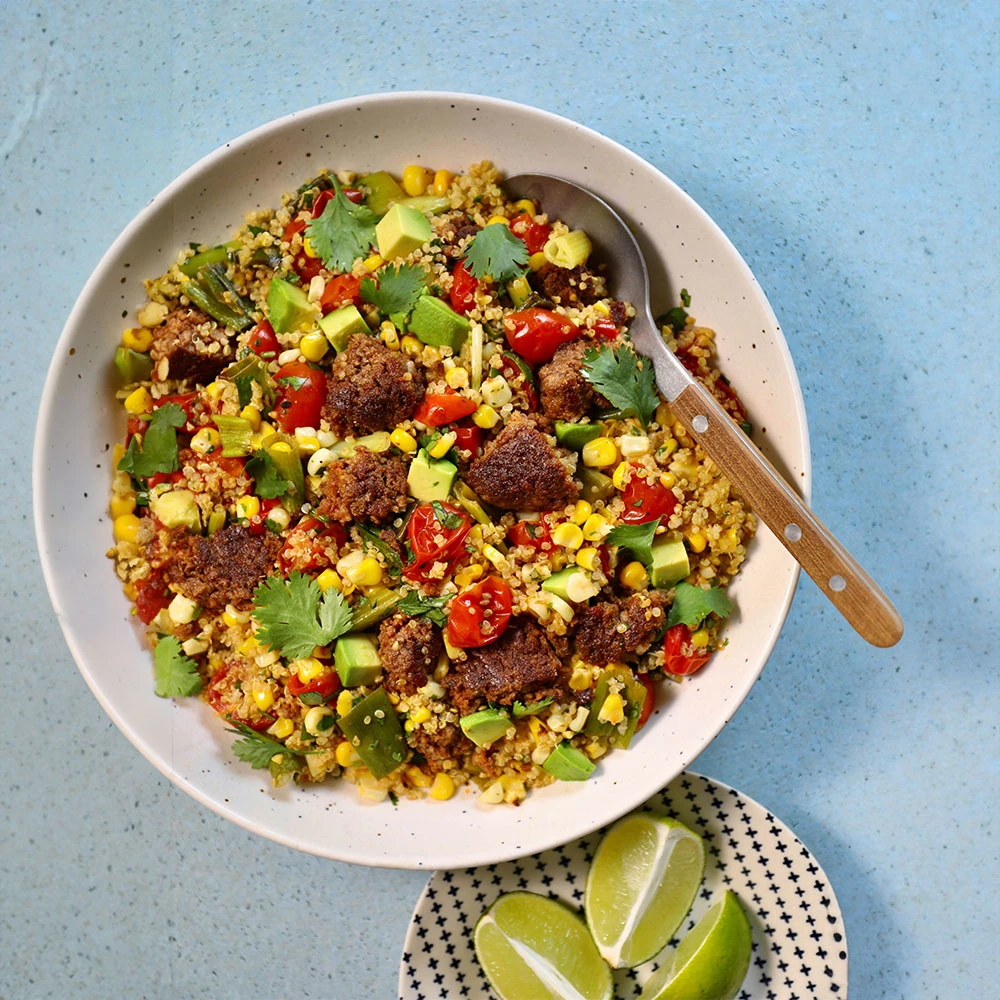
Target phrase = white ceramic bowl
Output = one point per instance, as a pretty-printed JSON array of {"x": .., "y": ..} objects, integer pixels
[{"x": 79, "y": 422}]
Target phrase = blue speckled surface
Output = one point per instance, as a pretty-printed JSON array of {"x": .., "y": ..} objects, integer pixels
[{"x": 850, "y": 154}]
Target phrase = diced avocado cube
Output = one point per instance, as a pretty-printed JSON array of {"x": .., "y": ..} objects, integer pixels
[
  {"x": 177, "y": 509},
  {"x": 382, "y": 191},
  {"x": 571, "y": 584},
  {"x": 485, "y": 726},
  {"x": 341, "y": 324},
  {"x": 575, "y": 436},
  {"x": 401, "y": 231},
  {"x": 133, "y": 366},
  {"x": 434, "y": 322},
  {"x": 357, "y": 660},
  {"x": 670, "y": 562},
  {"x": 567, "y": 763},
  {"x": 430, "y": 478},
  {"x": 596, "y": 485},
  {"x": 373, "y": 729},
  {"x": 288, "y": 306}
]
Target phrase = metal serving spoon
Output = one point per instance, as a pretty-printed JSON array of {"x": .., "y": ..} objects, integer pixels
[{"x": 852, "y": 591}]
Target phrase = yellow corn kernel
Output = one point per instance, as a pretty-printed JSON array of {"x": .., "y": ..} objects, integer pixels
[
  {"x": 308, "y": 443},
  {"x": 247, "y": 507},
  {"x": 621, "y": 475},
  {"x": 282, "y": 729},
  {"x": 667, "y": 480},
  {"x": 537, "y": 261},
  {"x": 581, "y": 511},
  {"x": 137, "y": 339},
  {"x": 389, "y": 335},
  {"x": 486, "y": 417},
  {"x": 122, "y": 505},
  {"x": 263, "y": 697},
  {"x": 420, "y": 715},
  {"x": 307, "y": 247},
  {"x": 117, "y": 454},
  {"x": 308, "y": 669},
  {"x": 443, "y": 787},
  {"x": 535, "y": 726},
  {"x": 601, "y": 308},
  {"x": 417, "y": 778},
  {"x": 206, "y": 441},
  {"x": 282, "y": 447},
  {"x": 248, "y": 646},
  {"x": 525, "y": 205},
  {"x": 430, "y": 356},
  {"x": 700, "y": 638},
  {"x": 589, "y": 558},
  {"x": 495, "y": 556},
  {"x": 697, "y": 540},
  {"x": 457, "y": 378},
  {"x": 443, "y": 445},
  {"x": 442, "y": 181},
  {"x": 374, "y": 262},
  {"x": 346, "y": 755},
  {"x": 613, "y": 709},
  {"x": 252, "y": 414},
  {"x": 345, "y": 702},
  {"x": 313, "y": 346},
  {"x": 581, "y": 678},
  {"x": 595, "y": 528},
  {"x": 666, "y": 449},
  {"x": 476, "y": 535},
  {"x": 126, "y": 528},
  {"x": 416, "y": 179},
  {"x": 411, "y": 346},
  {"x": 215, "y": 390},
  {"x": 569, "y": 536},
  {"x": 633, "y": 576},
  {"x": 663, "y": 416},
  {"x": 403, "y": 440},
  {"x": 498, "y": 220},
  {"x": 139, "y": 401},
  {"x": 394, "y": 698},
  {"x": 328, "y": 580},
  {"x": 600, "y": 453},
  {"x": 231, "y": 620},
  {"x": 469, "y": 575},
  {"x": 367, "y": 573}
]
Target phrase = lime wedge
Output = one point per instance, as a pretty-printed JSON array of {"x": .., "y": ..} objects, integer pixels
[
  {"x": 535, "y": 948},
  {"x": 710, "y": 962},
  {"x": 641, "y": 885}
]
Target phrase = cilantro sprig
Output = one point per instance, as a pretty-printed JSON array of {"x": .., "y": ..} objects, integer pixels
[
  {"x": 370, "y": 538},
  {"x": 446, "y": 518},
  {"x": 637, "y": 538},
  {"x": 521, "y": 710},
  {"x": 497, "y": 252},
  {"x": 159, "y": 444},
  {"x": 343, "y": 232},
  {"x": 295, "y": 615},
  {"x": 176, "y": 674},
  {"x": 692, "y": 605},
  {"x": 269, "y": 483},
  {"x": 414, "y": 605},
  {"x": 397, "y": 289},
  {"x": 617, "y": 375}
]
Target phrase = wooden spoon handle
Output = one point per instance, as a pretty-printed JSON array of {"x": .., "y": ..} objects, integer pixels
[{"x": 853, "y": 592}]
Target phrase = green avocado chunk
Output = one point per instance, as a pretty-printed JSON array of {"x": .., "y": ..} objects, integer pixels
[
  {"x": 341, "y": 324},
  {"x": 434, "y": 322},
  {"x": 373, "y": 729},
  {"x": 177, "y": 509},
  {"x": 382, "y": 191},
  {"x": 430, "y": 478},
  {"x": 401, "y": 231},
  {"x": 485, "y": 726},
  {"x": 670, "y": 562},
  {"x": 567, "y": 763},
  {"x": 288, "y": 306},
  {"x": 575, "y": 436},
  {"x": 357, "y": 660}
]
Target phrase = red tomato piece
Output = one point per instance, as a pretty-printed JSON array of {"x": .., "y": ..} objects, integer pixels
[
  {"x": 469, "y": 439},
  {"x": 293, "y": 227},
  {"x": 519, "y": 376},
  {"x": 646, "y": 501},
  {"x": 536, "y": 333},
  {"x": 164, "y": 477},
  {"x": 342, "y": 290},
  {"x": 534, "y": 234},
  {"x": 444, "y": 408},
  {"x": 680, "y": 656},
  {"x": 307, "y": 267},
  {"x": 533, "y": 533},
  {"x": 480, "y": 614},
  {"x": 647, "y": 706},
  {"x": 301, "y": 394},
  {"x": 214, "y": 695},
  {"x": 307, "y": 545},
  {"x": 151, "y": 597},
  {"x": 463, "y": 289},
  {"x": 605, "y": 329},
  {"x": 263, "y": 341},
  {"x": 325, "y": 685},
  {"x": 431, "y": 542}
]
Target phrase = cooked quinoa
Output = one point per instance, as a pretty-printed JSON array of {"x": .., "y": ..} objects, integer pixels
[{"x": 405, "y": 521}]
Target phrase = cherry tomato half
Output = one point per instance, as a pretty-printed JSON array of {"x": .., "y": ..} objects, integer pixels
[
  {"x": 533, "y": 533},
  {"x": 214, "y": 694},
  {"x": 325, "y": 685},
  {"x": 519, "y": 377},
  {"x": 536, "y": 333},
  {"x": 444, "y": 408},
  {"x": 151, "y": 597},
  {"x": 301, "y": 393},
  {"x": 311, "y": 544},
  {"x": 646, "y": 501},
  {"x": 433, "y": 542},
  {"x": 469, "y": 439},
  {"x": 340, "y": 291},
  {"x": 680, "y": 656},
  {"x": 647, "y": 706},
  {"x": 263, "y": 341},
  {"x": 605, "y": 329},
  {"x": 463, "y": 289},
  {"x": 534, "y": 234},
  {"x": 480, "y": 614}
]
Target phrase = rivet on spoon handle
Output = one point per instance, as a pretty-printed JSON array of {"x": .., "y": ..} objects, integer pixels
[{"x": 835, "y": 571}]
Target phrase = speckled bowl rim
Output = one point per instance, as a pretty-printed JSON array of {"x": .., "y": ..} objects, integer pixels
[{"x": 49, "y": 411}]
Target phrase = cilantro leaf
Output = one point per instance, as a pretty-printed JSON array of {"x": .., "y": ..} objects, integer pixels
[
  {"x": 244, "y": 373},
  {"x": 295, "y": 615},
  {"x": 370, "y": 537},
  {"x": 692, "y": 605},
  {"x": 256, "y": 749},
  {"x": 397, "y": 290},
  {"x": 616, "y": 375},
  {"x": 294, "y": 382},
  {"x": 413, "y": 604},
  {"x": 176, "y": 674},
  {"x": 522, "y": 710},
  {"x": 268, "y": 482},
  {"x": 446, "y": 518},
  {"x": 343, "y": 232},
  {"x": 677, "y": 317},
  {"x": 637, "y": 538},
  {"x": 159, "y": 444},
  {"x": 496, "y": 251}
]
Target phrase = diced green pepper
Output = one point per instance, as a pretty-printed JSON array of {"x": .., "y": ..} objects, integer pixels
[
  {"x": 373, "y": 729},
  {"x": 133, "y": 366},
  {"x": 236, "y": 434},
  {"x": 216, "y": 255},
  {"x": 375, "y": 606},
  {"x": 633, "y": 695},
  {"x": 596, "y": 485}
]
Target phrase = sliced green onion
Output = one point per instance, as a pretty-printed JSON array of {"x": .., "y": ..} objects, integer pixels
[{"x": 236, "y": 434}]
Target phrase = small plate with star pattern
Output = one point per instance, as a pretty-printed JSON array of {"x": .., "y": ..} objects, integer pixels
[{"x": 799, "y": 943}]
